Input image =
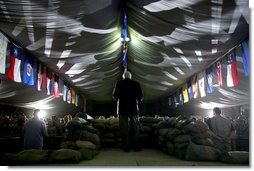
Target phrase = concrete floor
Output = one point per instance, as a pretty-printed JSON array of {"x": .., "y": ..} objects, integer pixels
[{"x": 147, "y": 157}]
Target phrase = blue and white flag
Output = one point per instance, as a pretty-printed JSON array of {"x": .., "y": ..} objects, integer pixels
[
  {"x": 28, "y": 71},
  {"x": 209, "y": 80},
  {"x": 246, "y": 57},
  {"x": 65, "y": 88},
  {"x": 189, "y": 85},
  {"x": 180, "y": 96}
]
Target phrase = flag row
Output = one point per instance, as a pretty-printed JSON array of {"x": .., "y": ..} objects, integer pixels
[
  {"x": 206, "y": 81},
  {"x": 43, "y": 74}
]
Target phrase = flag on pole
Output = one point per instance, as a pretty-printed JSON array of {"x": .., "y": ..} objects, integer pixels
[
  {"x": 246, "y": 57},
  {"x": 15, "y": 63},
  {"x": 39, "y": 80},
  {"x": 3, "y": 49},
  {"x": 76, "y": 101},
  {"x": 69, "y": 95},
  {"x": 195, "y": 86},
  {"x": 56, "y": 86},
  {"x": 28, "y": 71},
  {"x": 180, "y": 96},
  {"x": 201, "y": 84},
  {"x": 189, "y": 90},
  {"x": 174, "y": 101},
  {"x": 232, "y": 75},
  {"x": 73, "y": 96},
  {"x": 185, "y": 93},
  {"x": 48, "y": 82},
  {"x": 65, "y": 89},
  {"x": 218, "y": 74},
  {"x": 209, "y": 80}
]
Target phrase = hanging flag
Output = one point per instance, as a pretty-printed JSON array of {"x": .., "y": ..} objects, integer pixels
[
  {"x": 3, "y": 49},
  {"x": 180, "y": 96},
  {"x": 232, "y": 75},
  {"x": 73, "y": 96},
  {"x": 69, "y": 95},
  {"x": 195, "y": 86},
  {"x": 185, "y": 93},
  {"x": 28, "y": 71},
  {"x": 189, "y": 85},
  {"x": 174, "y": 101},
  {"x": 209, "y": 80},
  {"x": 48, "y": 82},
  {"x": 246, "y": 58},
  {"x": 56, "y": 86},
  {"x": 15, "y": 63},
  {"x": 76, "y": 100},
  {"x": 170, "y": 101},
  {"x": 65, "y": 88},
  {"x": 39, "y": 80},
  {"x": 201, "y": 84},
  {"x": 218, "y": 74}
]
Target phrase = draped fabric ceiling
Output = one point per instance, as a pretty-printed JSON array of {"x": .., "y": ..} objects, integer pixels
[{"x": 171, "y": 40}]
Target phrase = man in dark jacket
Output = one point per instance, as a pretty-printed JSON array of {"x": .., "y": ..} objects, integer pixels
[
  {"x": 34, "y": 132},
  {"x": 128, "y": 94}
]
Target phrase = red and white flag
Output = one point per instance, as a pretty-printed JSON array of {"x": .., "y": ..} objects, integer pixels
[
  {"x": 56, "y": 86},
  {"x": 15, "y": 63},
  {"x": 48, "y": 82},
  {"x": 39, "y": 74},
  {"x": 3, "y": 49},
  {"x": 201, "y": 84},
  {"x": 218, "y": 74},
  {"x": 195, "y": 87},
  {"x": 232, "y": 75}
]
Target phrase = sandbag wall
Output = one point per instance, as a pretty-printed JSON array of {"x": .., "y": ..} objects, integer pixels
[{"x": 190, "y": 139}]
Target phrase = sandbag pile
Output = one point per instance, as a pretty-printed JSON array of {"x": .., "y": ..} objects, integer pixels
[
  {"x": 83, "y": 137},
  {"x": 186, "y": 138},
  {"x": 147, "y": 133},
  {"x": 109, "y": 131}
]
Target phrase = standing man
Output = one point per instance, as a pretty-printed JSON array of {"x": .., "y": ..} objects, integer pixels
[
  {"x": 128, "y": 94},
  {"x": 34, "y": 132},
  {"x": 222, "y": 130}
]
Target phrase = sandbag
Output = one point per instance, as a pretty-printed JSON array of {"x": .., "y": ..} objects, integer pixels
[
  {"x": 114, "y": 127},
  {"x": 163, "y": 132},
  {"x": 182, "y": 145},
  {"x": 147, "y": 119},
  {"x": 33, "y": 156},
  {"x": 182, "y": 138},
  {"x": 173, "y": 133},
  {"x": 145, "y": 129},
  {"x": 113, "y": 121},
  {"x": 196, "y": 126},
  {"x": 204, "y": 141},
  {"x": 237, "y": 157},
  {"x": 88, "y": 154},
  {"x": 68, "y": 145},
  {"x": 85, "y": 144},
  {"x": 90, "y": 128},
  {"x": 65, "y": 155},
  {"x": 88, "y": 136},
  {"x": 196, "y": 152},
  {"x": 171, "y": 148},
  {"x": 163, "y": 124},
  {"x": 75, "y": 123},
  {"x": 181, "y": 123}
]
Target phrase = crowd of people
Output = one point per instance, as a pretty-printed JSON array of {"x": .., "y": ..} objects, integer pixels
[{"x": 12, "y": 126}]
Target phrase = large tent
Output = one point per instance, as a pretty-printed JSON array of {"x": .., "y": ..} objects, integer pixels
[{"x": 171, "y": 41}]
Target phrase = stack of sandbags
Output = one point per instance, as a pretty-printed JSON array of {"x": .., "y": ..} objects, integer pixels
[
  {"x": 33, "y": 156},
  {"x": 64, "y": 156},
  {"x": 109, "y": 131},
  {"x": 180, "y": 135},
  {"x": 147, "y": 133},
  {"x": 86, "y": 139}
]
